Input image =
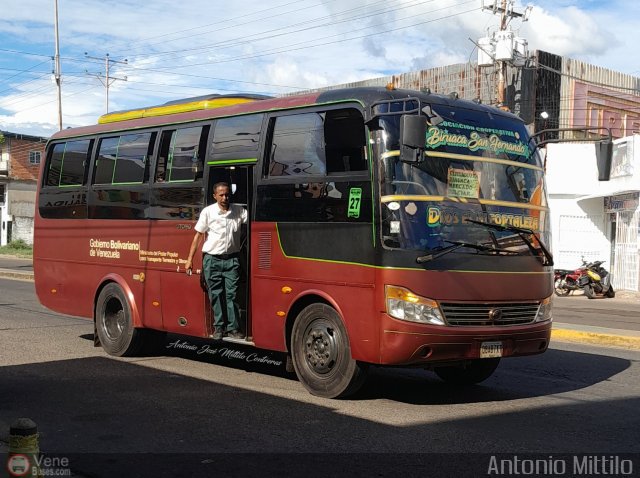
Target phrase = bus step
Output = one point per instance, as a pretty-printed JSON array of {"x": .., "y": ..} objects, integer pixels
[{"x": 238, "y": 341}]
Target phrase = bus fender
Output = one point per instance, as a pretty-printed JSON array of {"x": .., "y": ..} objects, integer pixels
[
  {"x": 118, "y": 279},
  {"x": 302, "y": 300}
]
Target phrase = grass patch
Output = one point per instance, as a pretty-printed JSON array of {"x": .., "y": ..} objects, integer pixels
[{"x": 17, "y": 248}]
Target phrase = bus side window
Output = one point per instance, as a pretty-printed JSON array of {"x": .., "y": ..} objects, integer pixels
[
  {"x": 345, "y": 139},
  {"x": 297, "y": 146},
  {"x": 181, "y": 154},
  {"x": 162, "y": 162},
  {"x": 124, "y": 159},
  {"x": 67, "y": 164}
]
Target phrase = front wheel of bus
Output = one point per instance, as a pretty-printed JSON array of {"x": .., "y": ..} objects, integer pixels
[
  {"x": 114, "y": 323},
  {"x": 321, "y": 353},
  {"x": 474, "y": 372}
]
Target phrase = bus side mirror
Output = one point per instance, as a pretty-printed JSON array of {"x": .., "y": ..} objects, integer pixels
[
  {"x": 604, "y": 157},
  {"x": 413, "y": 133}
]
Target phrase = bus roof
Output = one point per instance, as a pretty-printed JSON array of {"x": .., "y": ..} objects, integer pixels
[{"x": 214, "y": 106}]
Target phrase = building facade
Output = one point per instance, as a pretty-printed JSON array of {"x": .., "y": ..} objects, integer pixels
[
  {"x": 20, "y": 158},
  {"x": 595, "y": 220}
]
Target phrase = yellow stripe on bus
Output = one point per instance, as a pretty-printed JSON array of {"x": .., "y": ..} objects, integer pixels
[
  {"x": 171, "y": 109},
  {"x": 490, "y": 202},
  {"x": 484, "y": 159},
  {"x": 468, "y": 157}
]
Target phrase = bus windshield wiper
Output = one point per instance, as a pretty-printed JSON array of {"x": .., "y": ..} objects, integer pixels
[
  {"x": 455, "y": 245},
  {"x": 523, "y": 233}
]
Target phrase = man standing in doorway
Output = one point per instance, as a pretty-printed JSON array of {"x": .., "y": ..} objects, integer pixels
[{"x": 221, "y": 223}]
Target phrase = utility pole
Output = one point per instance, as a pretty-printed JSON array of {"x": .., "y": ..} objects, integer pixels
[
  {"x": 57, "y": 73},
  {"x": 507, "y": 13},
  {"x": 502, "y": 65},
  {"x": 107, "y": 80}
]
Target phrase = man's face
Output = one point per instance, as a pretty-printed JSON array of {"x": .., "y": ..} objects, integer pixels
[{"x": 222, "y": 195}]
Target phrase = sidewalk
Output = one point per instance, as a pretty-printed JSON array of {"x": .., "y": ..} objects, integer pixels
[{"x": 22, "y": 269}]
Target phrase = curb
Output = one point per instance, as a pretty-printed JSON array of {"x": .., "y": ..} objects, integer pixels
[
  {"x": 615, "y": 338},
  {"x": 11, "y": 274}
]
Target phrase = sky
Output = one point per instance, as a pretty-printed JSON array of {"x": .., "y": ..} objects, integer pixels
[{"x": 163, "y": 50}]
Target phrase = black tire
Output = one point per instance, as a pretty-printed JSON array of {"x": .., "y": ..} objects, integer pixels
[
  {"x": 114, "y": 323},
  {"x": 321, "y": 353},
  {"x": 610, "y": 293},
  {"x": 559, "y": 290},
  {"x": 588, "y": 292},
  {"x": 470, "y": 373}
]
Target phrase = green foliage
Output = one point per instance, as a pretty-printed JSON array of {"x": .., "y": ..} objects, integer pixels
[
  {"x": 1, "y": 138},
  {"x": 17, "y": 248}
]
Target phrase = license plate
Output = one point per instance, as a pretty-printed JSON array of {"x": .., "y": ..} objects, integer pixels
[{"x": 490, "y": 349}]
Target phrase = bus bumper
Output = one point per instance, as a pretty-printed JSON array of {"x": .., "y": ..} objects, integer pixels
[{"x": 404, "y": 343}]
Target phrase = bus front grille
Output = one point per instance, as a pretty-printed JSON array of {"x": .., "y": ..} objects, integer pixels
[{"x": 493, "y": 314}]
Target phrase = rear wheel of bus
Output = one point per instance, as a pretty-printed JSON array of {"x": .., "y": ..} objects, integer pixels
[
  {"x": 321, "y": 353},
  {"x": 114, "y": 323},
  {"x": 470, "y": 373}
]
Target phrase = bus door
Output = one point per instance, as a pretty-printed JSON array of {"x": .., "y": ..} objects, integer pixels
[
  {"x": 240, "y": 179},
  {"x": 179, "y": 295}
]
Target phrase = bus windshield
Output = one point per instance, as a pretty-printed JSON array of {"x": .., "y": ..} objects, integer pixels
[{"x": 476, "y": 165}]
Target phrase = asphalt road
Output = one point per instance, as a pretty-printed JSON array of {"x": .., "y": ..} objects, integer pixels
[
  {"x": 617, "y": 313},
  {"x": 184, "y": 413}
]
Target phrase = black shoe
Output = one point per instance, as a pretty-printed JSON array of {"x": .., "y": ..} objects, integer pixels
[
  {"x": 235, "y": 334},
  {"x": 217, "y": 335}
]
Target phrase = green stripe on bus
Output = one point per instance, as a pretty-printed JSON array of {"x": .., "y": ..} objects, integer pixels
[{"x": 233, "y": 161}]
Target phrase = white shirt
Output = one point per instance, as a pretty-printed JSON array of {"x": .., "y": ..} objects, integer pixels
[{"x": 222, "y": 228}]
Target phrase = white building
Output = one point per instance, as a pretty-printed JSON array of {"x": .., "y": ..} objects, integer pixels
[{"x": 593, "y": 219}]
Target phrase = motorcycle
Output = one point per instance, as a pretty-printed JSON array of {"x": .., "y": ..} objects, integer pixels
[
  {"x": 597, "y": 281},
  {"x": 591, "y": 277},
  {"x": 565, "y": 281}
]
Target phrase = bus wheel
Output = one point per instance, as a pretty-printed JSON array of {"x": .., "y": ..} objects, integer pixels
[
  {"x": 114, "y": 323},
  {"x": 321, "y": 353},
  {"x": 474, "y": 372}
]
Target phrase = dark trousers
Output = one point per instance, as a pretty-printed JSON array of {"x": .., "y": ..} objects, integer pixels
[{"x": 222, "y": 274}]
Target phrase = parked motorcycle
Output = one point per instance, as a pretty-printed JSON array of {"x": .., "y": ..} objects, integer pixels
[
  {"x": 565, "y": 281},
  {"x": 597, "y": 281},
  {"x": 592, "y": 278}
]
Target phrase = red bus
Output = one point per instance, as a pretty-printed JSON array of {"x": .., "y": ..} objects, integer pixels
[{"x": 386, "y": 227}]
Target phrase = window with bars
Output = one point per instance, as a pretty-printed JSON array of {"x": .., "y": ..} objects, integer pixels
[{"x": 34, "y": 157}]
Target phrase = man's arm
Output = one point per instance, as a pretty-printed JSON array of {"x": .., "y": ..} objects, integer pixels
[{"x": 192, "y": 251}]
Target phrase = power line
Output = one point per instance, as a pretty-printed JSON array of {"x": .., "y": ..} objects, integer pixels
[
  {"x": 235, "y": 25},
  {"x": 15, "y": 87},
  {"x": 23, "y": 71},
  {"x": 281, "y": 50},
  {"x": 596, "y": 83},
  {"x": 245, "y": 39},
  {"x": 287, "y": 49}
]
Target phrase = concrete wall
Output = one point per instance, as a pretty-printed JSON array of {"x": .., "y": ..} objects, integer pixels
[{"x": 21, "y": 201}]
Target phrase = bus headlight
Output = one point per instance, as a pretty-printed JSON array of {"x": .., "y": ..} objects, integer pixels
[
  {"x": 544, "y": 311},
  {"x": 405, "y": 305}
]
